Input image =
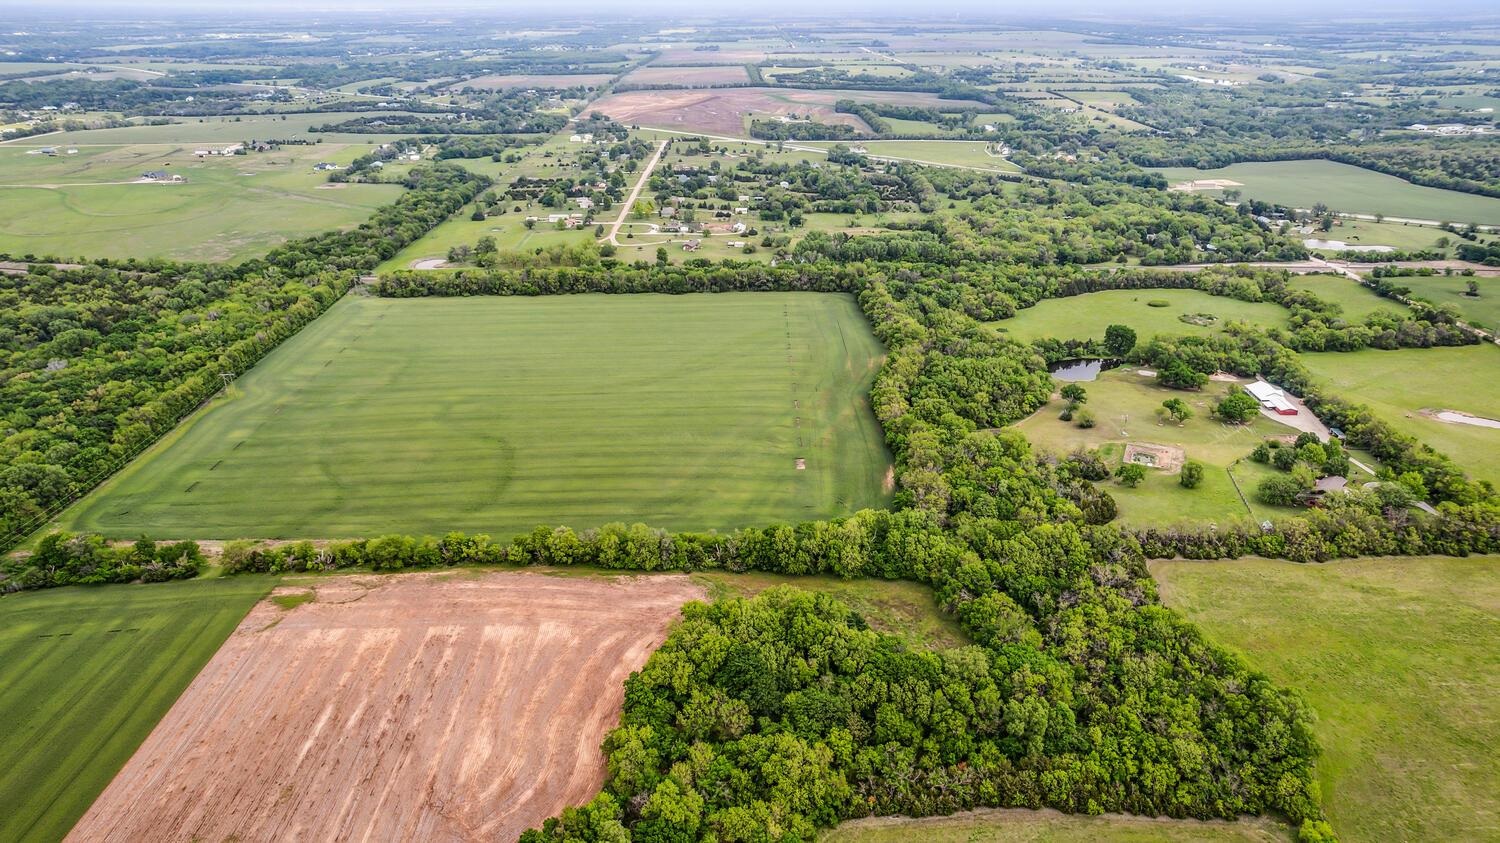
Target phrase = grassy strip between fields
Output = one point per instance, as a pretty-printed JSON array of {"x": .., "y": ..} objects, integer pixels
[
  {"x": 1022, "y": 826},
  {"x": 85, "y": 674}
]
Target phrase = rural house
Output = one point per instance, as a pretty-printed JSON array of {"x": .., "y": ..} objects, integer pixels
[{"x": 1271, "y": 397}]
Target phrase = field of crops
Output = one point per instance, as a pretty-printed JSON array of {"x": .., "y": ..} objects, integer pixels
[
  {"x": 85, "y": 674},
  {"x": 1396, "y": 657},
  {"x": 496, "y": 415}
]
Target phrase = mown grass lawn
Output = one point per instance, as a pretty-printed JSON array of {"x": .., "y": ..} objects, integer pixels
[
  {"x": 1357, "y": 300},
  {"x": 1345, "y": 188},
  {"x": 1398, "y": 385},
  {"x": 1087, "y": 316},
  {"x": 1396, "y": 658},
  {"x": 497, "y": 414},
  {"x": 85, "y": 674},
  {"x": 1482, "y": 310}
]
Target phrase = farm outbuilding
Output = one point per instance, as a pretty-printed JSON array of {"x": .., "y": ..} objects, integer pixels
[{"x": 1271, "y": 397}]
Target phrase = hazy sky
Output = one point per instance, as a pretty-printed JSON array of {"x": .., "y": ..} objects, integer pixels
[{"x": 1238, "y": 10}]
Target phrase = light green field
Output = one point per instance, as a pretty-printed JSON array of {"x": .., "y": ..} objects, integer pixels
[
  {"x": 498, "y": 414},
  {"x": 1393, "y": 234},
  {"x": 1396, "y": 658},
  {"x": 939, "y": 152},
  {"x": 1087, "y": 316},
  {"x": 230, "y": 207},
  {"x": 1357, "y": 300},
  {"x": 1398, "y": 385},
  {"x": 1483, "y": 311},
  {"x": 508, "y": 229},
  {"x": 85, "y": 674},
  {"x": 1124, "y": 405},
  {"x": 1342, "y": 187},
  {"x": 1023, "y": 826}
]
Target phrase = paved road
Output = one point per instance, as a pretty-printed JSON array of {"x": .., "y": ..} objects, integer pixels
[{"x": 635, "y": 192}]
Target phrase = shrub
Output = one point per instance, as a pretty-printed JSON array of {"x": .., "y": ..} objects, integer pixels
[
  {"x": 1131, "y": 474},
  {"x": 1085, "y": 418},
  {"x": 1192, "y": 474}
]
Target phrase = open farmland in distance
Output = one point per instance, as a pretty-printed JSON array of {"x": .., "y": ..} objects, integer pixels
[
  {"x": 1345, "y": 188},
  {"x": 457, "y": 706},
  {"x": 95, "y": 204},
  {"x": 85, "y": 674},
  {"x": 498, "y": 414},
  {"x": 1396, "y": 657}
]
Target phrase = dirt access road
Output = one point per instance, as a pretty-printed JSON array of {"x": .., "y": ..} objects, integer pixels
[
  {"x": 438, "y": 707},
  {"x": 635, "y": 193}
]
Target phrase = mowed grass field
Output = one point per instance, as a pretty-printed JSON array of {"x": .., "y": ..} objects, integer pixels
[
  {"x": 1482, "y": 310},
  {"x": 1398, "y": 385},
  {"x": 1087, "y": 316},
  {"x": 1345, "y": 188},
  {"x": 498, "y": 414},
  {"x": 85, "y": 674},
  {"x": 1396, "y": 658},
  {"x": 230, "y": 208},
  {"x": 1358, "y": 301},
  {"x": 971, "y": 154}
]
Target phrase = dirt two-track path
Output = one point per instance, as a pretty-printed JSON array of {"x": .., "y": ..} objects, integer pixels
[
  {"x": 437, "y": 707},
  {"x": 613, "y": 238}
]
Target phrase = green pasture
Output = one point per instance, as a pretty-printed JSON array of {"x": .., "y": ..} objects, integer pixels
[
  {"x": 1087, "y": 316},
  {"x": 1124, "y": 406},
  {"x": 1400, "y": 236},
  {"x": 1482, "y": 310},
  {"x": 1396, "y": 658},
  {"x": 1357, "y": 300},
  {"x": 498, "y": 414},
  {"x": 1019, "y": 825},
  {"x": 231, "y": 207},
  {"x": 1345, "y": 188},
  {"x": 1398, "y": 385},
  {"x": 226, "y": 129},
  {"x": 85, "y": 674},
  {"x": 508, "y": 229}
]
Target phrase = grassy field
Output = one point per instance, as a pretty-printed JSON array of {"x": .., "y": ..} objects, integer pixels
[
  {"x": 1397, "y": 659},
  {"x": 1080, "y": 317},
  {"x": 1023, "y": 826},
  {"x": 1357, "y": 300},
  {"x": 499, "y": 414},
  {"x": 191, "y": 130},
  {"x": 1125, "y": 403},
  {"x": 1483, "y": 310},
  {"x": 1397, "y": 385},
  {"x": 230, "y": 208},
  {"x": 85, "y": 674},
  {"x": 1371, "y": 233},
  {"x": 1346, "y": 188}
]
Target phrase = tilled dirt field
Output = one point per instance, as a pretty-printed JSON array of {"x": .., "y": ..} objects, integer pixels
[
  {"x": 435, "y": 707},
  {"x": 722, "y": 110}
]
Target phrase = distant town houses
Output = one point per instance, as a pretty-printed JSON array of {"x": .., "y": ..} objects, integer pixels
[{"x": 1448, "y": 129}]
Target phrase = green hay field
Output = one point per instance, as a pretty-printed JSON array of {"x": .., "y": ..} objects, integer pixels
[
  {"x": 1483, "y": 310},
  {"x": 1396, "y": 658},
  {"x": 1087, "y": 316},
  {"x": 230, "y": 208},
  {"x": 1345, "y": 188},
  {"x": 1398, "y": 385},
  {"x": 970, "y": 154},
  {"x": 498, "y": 414},
  {"x": 1357, "y": 300},
  {"x": 85, "y": 674},
  {"x": 1023, "y": 826}
]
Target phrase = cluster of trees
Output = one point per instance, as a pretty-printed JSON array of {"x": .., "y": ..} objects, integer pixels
[
  {"x": 67, "y": 559},
  {"x": 98, "y": 361}
]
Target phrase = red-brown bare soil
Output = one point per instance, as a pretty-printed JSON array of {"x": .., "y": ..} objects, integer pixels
[
  {"x": 436, "y": 707},
  {"x": 722, "y": 111}
]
